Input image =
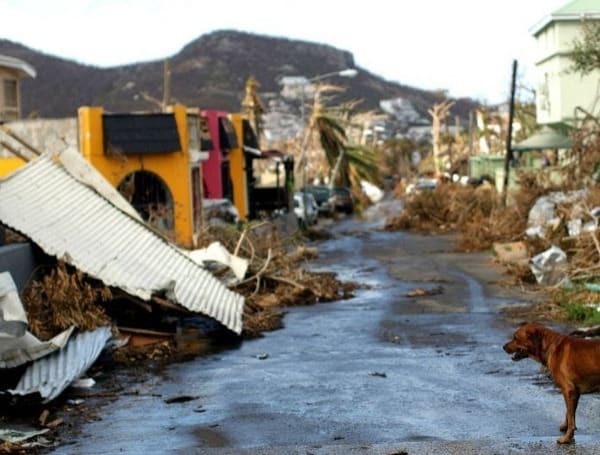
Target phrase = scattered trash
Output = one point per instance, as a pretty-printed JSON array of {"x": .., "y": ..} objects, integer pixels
[
  {"x": 419, "y": 292},
  {"x": 550, "y": 266},
  {"x": 574, "y": 227},
  {"x": 55, "y": 423},
  {"x": 180, "y": 399},
  {"x": 216, "y": 252},
  {"x": 75, "y": 401},
  {"x": 44, "y": 417},
  {"x": 84, "y": 383},
  {"x": 374, "y": 193},
  {"x": 543, "y": 210},
  {"x": 16, "y": 436},
  {"x": 377, "y": 374},
  {"x": 586, "y": 332},
  {"x": 592, "y": 287},
  {"x": 220, "y": 211}
]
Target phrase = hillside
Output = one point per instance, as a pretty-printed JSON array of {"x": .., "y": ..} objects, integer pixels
[{"x": 210, "y": 72}]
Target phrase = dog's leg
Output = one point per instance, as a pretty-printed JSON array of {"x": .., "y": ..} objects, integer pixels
[
  {"x": 571, "y": 396},
  {"x": 563, "y": 426}
]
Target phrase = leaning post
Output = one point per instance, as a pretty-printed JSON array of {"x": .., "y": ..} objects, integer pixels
[{"x": 509, "y": 138}]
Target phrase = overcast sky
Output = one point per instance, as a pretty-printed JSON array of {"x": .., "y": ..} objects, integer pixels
[{"x": 464, "y": 46}]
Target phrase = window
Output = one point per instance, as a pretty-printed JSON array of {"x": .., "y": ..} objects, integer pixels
[
  {"x": 227, "y": 135},
  {"x": 10, "y": 93},
  {"x": 206, "y": 143},
  {"x": 193, "y": 143},
  {"x": 9, "y": 98}
]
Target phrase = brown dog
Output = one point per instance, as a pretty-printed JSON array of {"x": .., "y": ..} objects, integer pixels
[{"x": 574, "y": 364}]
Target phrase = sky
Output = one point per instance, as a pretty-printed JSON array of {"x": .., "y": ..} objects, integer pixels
[{"x": 463, "y": 46}]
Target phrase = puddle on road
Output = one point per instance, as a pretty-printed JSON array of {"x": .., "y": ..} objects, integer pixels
[
  {"x": 408, "y": 333},
  {"x": 210, "y": 437}
]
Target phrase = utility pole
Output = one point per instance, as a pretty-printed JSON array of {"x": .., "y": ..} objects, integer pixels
[
  {"x": 166, "y": 85},
  {"x": 511, "y": 114}
]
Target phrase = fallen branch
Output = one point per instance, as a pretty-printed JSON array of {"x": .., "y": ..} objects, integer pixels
[{"x": 286, "y": 281}]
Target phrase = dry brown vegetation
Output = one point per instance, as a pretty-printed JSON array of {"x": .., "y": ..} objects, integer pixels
[
  {"x": 62, "y": 296},
  {"x": 481, "y": 218},
  {"x": 275, "y": 276}
]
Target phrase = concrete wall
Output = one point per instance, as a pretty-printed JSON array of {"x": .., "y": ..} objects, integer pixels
[{"x": 47, "y": 135}]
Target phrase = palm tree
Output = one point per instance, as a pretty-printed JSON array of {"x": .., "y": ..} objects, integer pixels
[
  {"x": 252, "y": 106},
  {"x": 349, "y": 163}
]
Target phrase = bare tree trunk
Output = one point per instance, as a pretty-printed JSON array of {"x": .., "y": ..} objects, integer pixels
[
  {"x": 336, "y": 169},
  {"x": 438, "y": 112}
]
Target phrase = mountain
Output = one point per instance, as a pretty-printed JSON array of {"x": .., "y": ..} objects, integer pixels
[{"x": 210, "y": 72}]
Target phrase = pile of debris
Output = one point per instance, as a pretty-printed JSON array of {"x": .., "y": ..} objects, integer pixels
[
  {"x": 546, "y": 233},
  {"x": 275, "y": 278},
  {"x": 110, "y": 283}
]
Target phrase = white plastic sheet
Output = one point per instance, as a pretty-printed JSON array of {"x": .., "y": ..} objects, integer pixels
[{"x": 549, "y": 267}]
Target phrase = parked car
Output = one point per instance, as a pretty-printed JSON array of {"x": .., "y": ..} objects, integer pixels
[
  {"x": 342, "y": 200},
  {"x": 322, "y": 195},
  {"x": 305, "y": 208},
  {"x": 421, "y": 185}
]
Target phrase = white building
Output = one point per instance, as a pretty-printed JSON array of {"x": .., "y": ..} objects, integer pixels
[{"x": 562, "y": 93}]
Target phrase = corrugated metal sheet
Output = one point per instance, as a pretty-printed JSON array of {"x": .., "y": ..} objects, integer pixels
[
  {"x": 52, "y": 374},
  {"x": 71, "y": 221},
  {"x": 18, "y": 351}
]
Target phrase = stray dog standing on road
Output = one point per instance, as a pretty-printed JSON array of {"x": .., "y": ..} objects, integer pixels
[{"x": 574, "y": 364}]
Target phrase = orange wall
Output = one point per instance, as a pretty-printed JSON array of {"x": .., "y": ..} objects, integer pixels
[
  {"x": 236, "y": 169},
  {"x": 7, "y": 165},
  {"x": 173, "y": 168}
]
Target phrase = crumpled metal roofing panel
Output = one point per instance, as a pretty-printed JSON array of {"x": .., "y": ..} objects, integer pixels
[
  {"x": 52, "y": 374},
  {"x": 69, "y": 220}
]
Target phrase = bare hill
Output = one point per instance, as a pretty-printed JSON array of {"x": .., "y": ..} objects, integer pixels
[{"x": 210, "y": 72}]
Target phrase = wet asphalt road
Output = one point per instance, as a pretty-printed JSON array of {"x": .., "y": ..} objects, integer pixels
[{"x": 381, "y": 373}]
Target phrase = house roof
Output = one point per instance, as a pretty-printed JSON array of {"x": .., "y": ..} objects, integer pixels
[
  {"x": 22, "y": 68},
  {"x": 573, "y": 11},
  {"x": 546, "y": 138},
  {"x": 70, "y": 220}
]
